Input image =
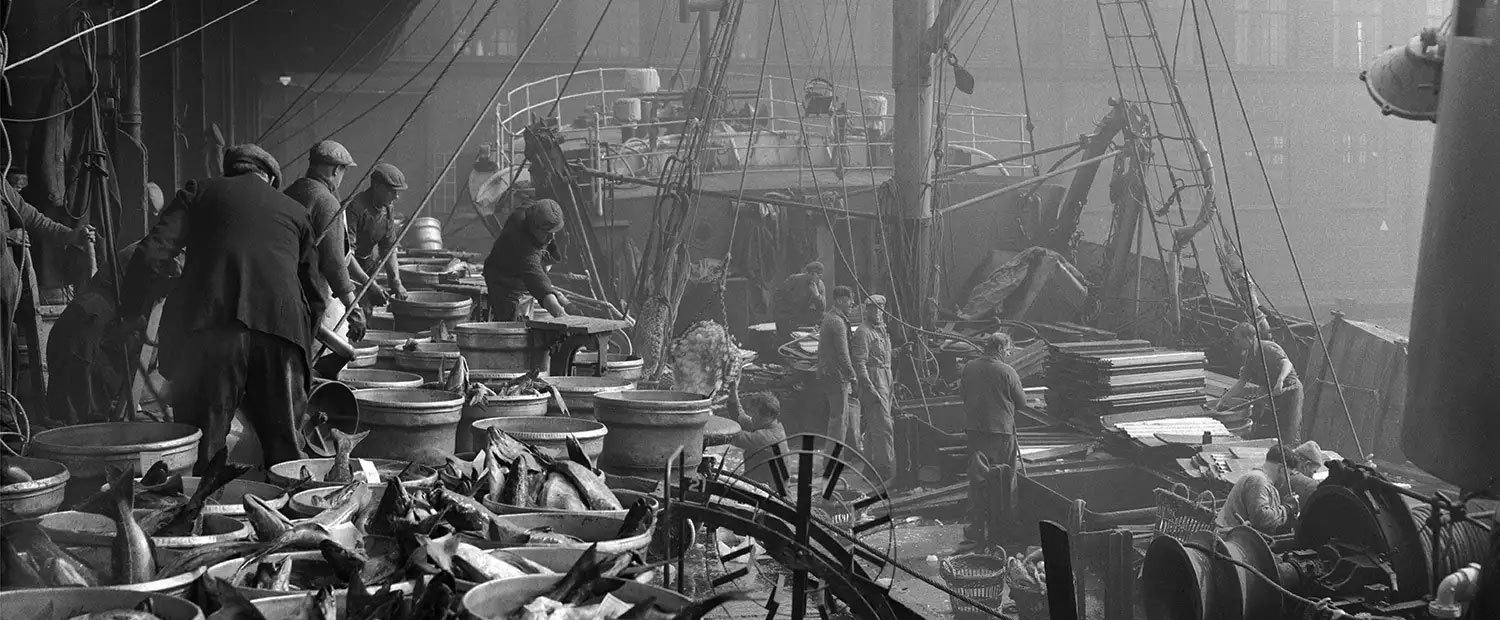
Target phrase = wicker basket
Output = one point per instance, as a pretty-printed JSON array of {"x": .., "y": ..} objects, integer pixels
[
  {"x": 979, "y": 576},
  {"x": 1178, "y": 514},
  {"x": 1030, "y": 604}
]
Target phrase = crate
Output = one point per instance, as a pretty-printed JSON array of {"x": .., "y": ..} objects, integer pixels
[
  {"x": 1179, "y": 514},
  {"x": 979, "y": 576}
]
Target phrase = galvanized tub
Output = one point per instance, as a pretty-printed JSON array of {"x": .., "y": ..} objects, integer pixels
[
  {"x": 647, "y": 426},
  {"x": 588, "y": 527},
  {"x": 423, "y": 309},
  {"x": 229, "y": 500},
  {"x": 423, "y": 277},
  {"x": 66, "y": 603},
  {"x": 364, "y": 378},
  {"x": 617, "y": 366},
  {"x": 502, "y": 598},
  {"x": 90, "y": 450},
  {"x": 388, "y": 341},
  {"x": 578, "y": 393},
  {"x": 626, "y": 499},
  {"x": 303, "y": 561},
  {"x": 365, "y": 356},
  {"x": 471, "y": 431},
  {"x": 548, "y": 434},
  {"x": 290, "y": 472},
  {"x": 504, "y": 346},
  {"x": 429, "y": 359},
  {"x": 408, "y": 424},
  {"x": 45, "y": 492}
]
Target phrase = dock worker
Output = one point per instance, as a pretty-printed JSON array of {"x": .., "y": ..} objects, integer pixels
[
  {"x": 88, "y": 360},
  {"x": 318, "y": 192},
  {"x": 372, "y": 234},
  {"x": 1255, "y": 500},
  {"x": 517, "y": 264},
  {"x": 237, "y": 331},
  {"x": 1265, "y": 359},
  {"x": 22, "y": 222},
  {"x": 872, "y": 366},
  {"x": 798, "y": 301},
  {"x": 1310, "y": 459},
  {"x": 992, "y": 392},
  {"x": 835, "y": 372}
]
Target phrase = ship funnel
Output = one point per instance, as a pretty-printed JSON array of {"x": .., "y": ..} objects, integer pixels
[
  {"x": 1452, "y": 422},
  {"x": 1404, "y": 80}
]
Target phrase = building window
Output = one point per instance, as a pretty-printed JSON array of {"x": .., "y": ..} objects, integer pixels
[
  {"x": 1250, "y": 186},
  {"x": 1360, "y": 154},
  {"x": 1260, "y": 28},
  {"x": 619, "y": 36},
  {"x": 1357, "y": 36},
  {"x": 447, "y": 192}
]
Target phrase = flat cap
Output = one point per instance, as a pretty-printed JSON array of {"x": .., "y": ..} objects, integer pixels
[
  {"x": 813, "y": 267},
  {"x": 878, "y": 300},
  {"x": 330, "y": 152},
  {"x": 1311, "y": 452},
  {"x": 255, "y": 156},
  {"x": 388, "y": 175},
  {"x": 545, "y": 216}
]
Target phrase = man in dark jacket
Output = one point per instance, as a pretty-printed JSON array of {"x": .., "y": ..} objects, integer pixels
[
  {"x": 372, "y": 234},
  {"x": 23, "y": 221},
  {"x": 798, "y": 301},
  {"x": 836, "y": 369},
  {"x": 237, "y": 331},
  {"x": 517, "y": 264},
  {"x": 992, "y": 392},
  {"x": 317, "y": 191}
]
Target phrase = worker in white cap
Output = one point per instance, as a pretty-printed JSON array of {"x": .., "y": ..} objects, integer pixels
[
  {"x": 871, "y": 347},
  {"x": 1310, "y": 459},
  {"x": 372, "y": 234},
  {"x": 318, "y": 191}
]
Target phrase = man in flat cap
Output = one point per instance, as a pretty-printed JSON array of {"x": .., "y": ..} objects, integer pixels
[
  {"x": 517, "y": 264},
  {"x": 798, "y": 301},
  {"x": 871, "y": 347},
  {"x": 237, "y": 331},
  {"x": 372, "y": 233},
  {"x": 992, "y": 392},
  {"x": 317, "y": 191}
]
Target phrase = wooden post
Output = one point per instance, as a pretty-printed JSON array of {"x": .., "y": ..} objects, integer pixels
[{"x": 911, "y": 214}]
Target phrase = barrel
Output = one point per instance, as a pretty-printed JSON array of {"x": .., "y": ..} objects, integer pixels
[
  {"x": 647, "y": 426},
  {"x": 428, "y": 360},
  {"x": 627, "y": 110},
  {"x": 55, "y": 603},
  {"x": 364, "y": 378},
  {"x": 496, "y": 407},
  {"x": 548, "y": 434},
  {"x": 503, "y": 346},
  {"x": 408, "y": 424},
  {"x": 427, "y": 234},
  {"x": 619, "y": 366},
  {"x": 421, "y": 310},
  {"x": 90, "y": 451},
  {"x": 578, "y": 393}
]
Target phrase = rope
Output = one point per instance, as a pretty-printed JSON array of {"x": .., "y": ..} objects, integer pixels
[
  {"x": 1021, "y": 68},
  {"x": 23, "y": 424},
  {"x": 86, "y": 49},
  {"x": 578, "y": 61},
  {"x": 368, "y": 74},
  {"x": 437, "y": 180},
  {"x": 1281, "y": 222},
  {"x": 199, "y": 29},
  {"x": 326, "y": 68},
  {"x": 80, "y": 35}
]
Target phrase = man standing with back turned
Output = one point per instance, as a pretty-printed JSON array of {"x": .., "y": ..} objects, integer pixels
[
  {"x": 1264, "y": 359},
  {"x": 238, "y": 328},
  {"x": 317, "y": 191},
  {"x": 992, "y": 392}
]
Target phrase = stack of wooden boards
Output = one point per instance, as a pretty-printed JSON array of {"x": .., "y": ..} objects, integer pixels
[{"x": 1088, "y": 380}]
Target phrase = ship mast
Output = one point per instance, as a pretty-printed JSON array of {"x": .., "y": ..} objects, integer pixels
[{"x": 918, "y": 31}]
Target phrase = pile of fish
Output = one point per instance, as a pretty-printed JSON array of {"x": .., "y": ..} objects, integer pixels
[
  {"x": 1027, "y": 572},
  {"x": 513, "y": 473},
  {"x": 584, "y": 593},
  {"x": 478, "y": 394},
  {"x": 705, "y": 358},
  {"x": 32, "y": 559}
]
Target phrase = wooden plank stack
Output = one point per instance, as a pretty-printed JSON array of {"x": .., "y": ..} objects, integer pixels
[{"x": 1087, "y": 380}]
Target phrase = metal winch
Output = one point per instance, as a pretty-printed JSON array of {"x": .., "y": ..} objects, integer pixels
[{"x": 1362, "y": 545}]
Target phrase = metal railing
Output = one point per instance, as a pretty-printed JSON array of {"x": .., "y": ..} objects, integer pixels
[{"x": 978, "y": 132}]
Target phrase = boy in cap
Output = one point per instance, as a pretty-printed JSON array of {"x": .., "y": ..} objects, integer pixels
[
  {"x": 798, "y": 301},
  {"x": 759, "y": 415},
  {"x": 1255, "y": 500},
  {"x": 372, "y": 233},
  {"x": 517, "y": 264},
  {"x": 1310, "y": 459},
  {"x": 318, "y": 192},
  {"x": 871, "y": 345}
]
